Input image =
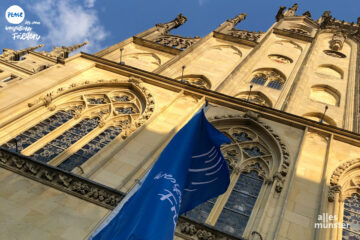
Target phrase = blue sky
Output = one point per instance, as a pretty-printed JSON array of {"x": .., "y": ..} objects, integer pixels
[{"x": 106, "y": 22}]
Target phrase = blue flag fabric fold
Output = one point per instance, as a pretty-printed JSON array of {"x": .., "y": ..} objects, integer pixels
[{"x": 190, "y": 171}]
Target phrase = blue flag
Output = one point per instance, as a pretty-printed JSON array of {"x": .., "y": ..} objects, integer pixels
[{"x": 190, "y": 171}]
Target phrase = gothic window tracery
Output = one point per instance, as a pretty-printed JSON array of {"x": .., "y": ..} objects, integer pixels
[
  {"x": 250, "y": 161},
  {"x": 196, "y": 80},
  {"x": 352, "y": 217},
  {"x": 61, "y": 143},
  {"x": 238, "y": 208},
  {"x": 270, "y": 78},
  {"x": 94, "y": 117},
  {"x": 259, "y": 79},
  {"x": 38, "y": 131},
  {"x": 344, "y": 199}
]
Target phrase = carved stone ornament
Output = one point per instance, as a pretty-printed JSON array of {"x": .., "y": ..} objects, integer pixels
[
  {"x": 291, "y": 11},
  {"x": 307, "y": 14},
  {"x": 339, "y": 171},
  {"x": 234, "y": 21},
  {"x": 337, "y": 175},
  {"x": 332, "y": 192},
  {"x": 298, "y": 31},
  {"x": 288, "y": 13},
  {"x": 176, "y": 41},
  {"x": 340, "y": 28},
  {"x": 280, "y": 14},
  {"x": 189, "y": 229},
  {"x": 337, "y": 41},
  {"x": 64, "y": 181},
  {"x": 246, "y": 35},
  {"x": 164, "y": 28}
]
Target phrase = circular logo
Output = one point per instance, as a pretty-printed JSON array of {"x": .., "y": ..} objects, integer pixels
[{"x": 15, "y": 14}]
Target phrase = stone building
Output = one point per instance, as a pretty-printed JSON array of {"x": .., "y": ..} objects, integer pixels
[{"x": 77, "y": 133}]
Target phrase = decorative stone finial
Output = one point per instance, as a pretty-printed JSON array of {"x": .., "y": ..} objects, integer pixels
[
  {"x": 63, "y": 52},
  {"x": 164, "y": 28},
  {"x": 291, "y": 11},
  {"x": 237, "y": 19},
  {"x": 325, "y": 19},
  {"x": 280, "y": 14},
  {"x": 15, "y": 55},
  {"x": 307, "y": 14}
]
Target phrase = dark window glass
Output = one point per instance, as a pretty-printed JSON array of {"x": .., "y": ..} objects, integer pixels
[
  {"x": 253, "y": 152},
  {"x": 68, "y": 138},
  {"x": 38, "y": 131},
  {"x": 237, "y": 210},
  {"x": 242, "y": 137},
  {"x": 275, "y": 84},
  {"x": 352, "y": 218},
  {"x": 259, "y": 79},
  {"x": 90, "y": 149},
  {"x": 201, "y": 212}
]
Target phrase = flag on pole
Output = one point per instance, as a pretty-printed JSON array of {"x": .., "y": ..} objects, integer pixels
[{"x": 189, "y": 171}]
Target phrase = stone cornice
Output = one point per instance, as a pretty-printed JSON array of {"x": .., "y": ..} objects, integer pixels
[
  {"x": 225, "y": 100},
  {"x": 291, "y": 34},
  {"x": 56, "y": 178}
]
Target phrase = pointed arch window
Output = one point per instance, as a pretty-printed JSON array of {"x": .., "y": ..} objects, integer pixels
[
  {"x": 238, "y": 208},
  {"x": 352, "y": 217},
  {"x": 87, "y": 119},
  {"x": 344, "y": 200},
  {"x": 61, "y": 143},
  {"x": 271, "y": 78},
  {"x": 251, "y": 159},
  {"x": 38, "y": 131},
  {"x": 259, "y": 79}
]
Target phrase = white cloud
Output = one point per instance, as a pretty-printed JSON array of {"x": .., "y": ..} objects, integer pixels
[
  {"x": 89, "y": 3},
  {"x": 201, "y": 2},
  {"x": 68, "y": 23}
]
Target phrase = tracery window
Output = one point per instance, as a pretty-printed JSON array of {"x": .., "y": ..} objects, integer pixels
[
  {"x": 250, "y": 160},
  {"x": 61, "y": 143},
  {"x": 270, "y": 78},
  {"x": 196, "y": 80},
  {"x": 259, "y": 78},
  {"x": 86, "y": 120},
  {"x": 38, "y": 131},
  {"x": 352, "y": 217},
  {"x": 344, "y": 200}
]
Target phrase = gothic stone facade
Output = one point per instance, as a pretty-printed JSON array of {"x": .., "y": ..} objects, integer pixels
[{"x": 77, "y": 133}]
